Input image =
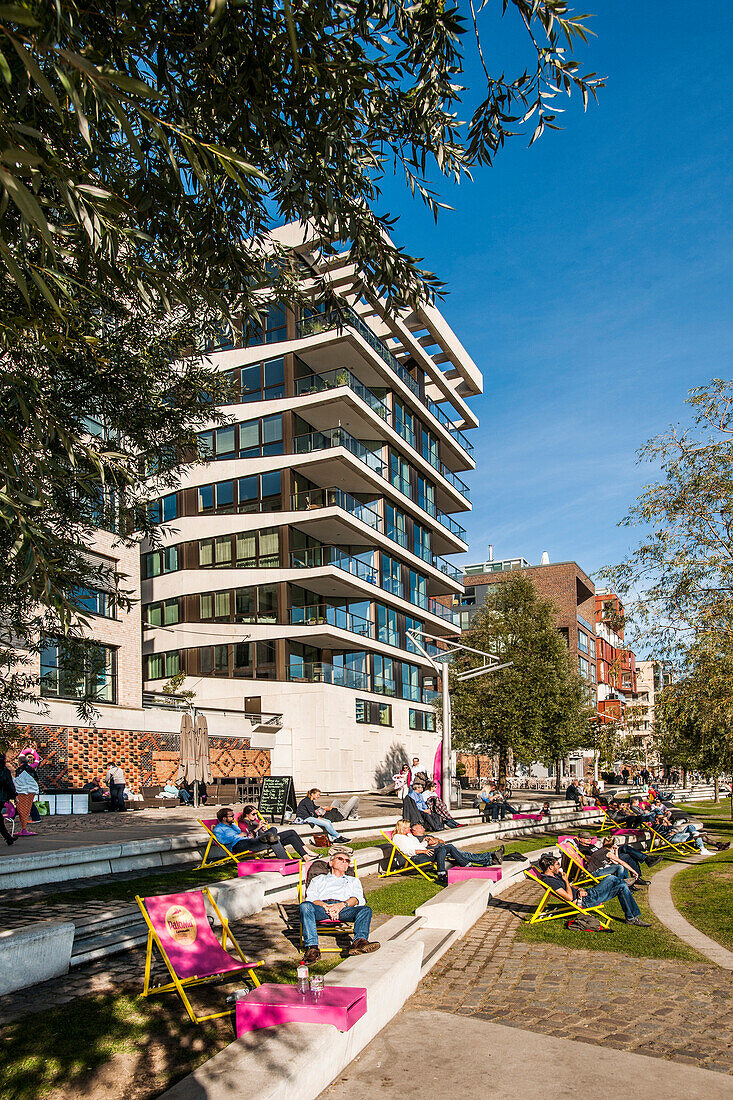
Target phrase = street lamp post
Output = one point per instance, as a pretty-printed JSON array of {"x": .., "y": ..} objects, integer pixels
[{"x": 491, "y": 663}]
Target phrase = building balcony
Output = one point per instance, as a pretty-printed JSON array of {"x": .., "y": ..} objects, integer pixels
[
  {"x": 341, "y": 376},
  {"x": 311, "y": 500},
  {"x": 322, "y": 672},
  {"x": 346, "y": 316},
  {"x": 320, "y": 615},
  {"x": 316, "y": 441}
]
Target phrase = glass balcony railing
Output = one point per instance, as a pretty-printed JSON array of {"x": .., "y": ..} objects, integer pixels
[
  {"x": 321, "y": 672},
  {"x": 337, "y": 318},
  {"x": 315, "y": 557},
  {"x": 437, "y": 562},
  {"x": 319, "y": 615},
  {"x": 384, "y": 686},
  {"x": 341, "y": 376},
  {"x": 435, "y": 607},
  {"x": 335, "y": 498},
  {"x": 339, "y": 437}
]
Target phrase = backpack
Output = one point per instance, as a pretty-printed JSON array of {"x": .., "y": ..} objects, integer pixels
[{"x": 587, "y": 922}]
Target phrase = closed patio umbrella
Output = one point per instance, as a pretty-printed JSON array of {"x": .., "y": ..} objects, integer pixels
[
  {"x": 203, "y": 757},
  {"x": 187, "y": 752}
]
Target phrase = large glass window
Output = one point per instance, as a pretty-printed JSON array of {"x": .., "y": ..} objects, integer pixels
[
  {"x": 583, "y": 666},
  {"x": 426, "y": 495},
  {"x": 262, "y": 381},
  {"x": 94, "y": 601},
  {"x": 258, "y": 548},
  {"x": 411, "y": 624},
  {"x": 395, "y": 524},
  {"x": 399, "y": 472},
  {"x": 418, "y": 589},
  {"x": 387, "y": 625},
  {"x": 582, "y": 642},
  {"x": 72, "y": 672},
  {"x": 422, "y": 720},
  {"x": 421, "y": 541},
  {"x": 392, "y": 575},
  {"x": 430, "y": 448},
  {"x": 384, "y": 680},
  {"x": 410, "y": 682},
  {"x": 163, "y": 613},
  {"x": 373, "y": 714},
  {"x": 404, "y": 423},
  {"x": 160, "y": 561},
  {"x": 261, "y": 437}
]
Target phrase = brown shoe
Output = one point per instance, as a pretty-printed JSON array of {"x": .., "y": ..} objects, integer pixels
[
  {"x": 312, "y": 955},
  {"x": 363, "y": 947}
]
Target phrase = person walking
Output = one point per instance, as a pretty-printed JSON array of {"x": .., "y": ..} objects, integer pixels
[
  {"x": 115, "y": 780},
  {"x": 7, "y": 794},
  {"x": 26, "y": 787}
]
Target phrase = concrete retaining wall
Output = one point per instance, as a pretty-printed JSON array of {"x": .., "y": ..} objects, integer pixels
[
  {"x": 34, "y": 954},
  {"x": 298, "y": 1061}
]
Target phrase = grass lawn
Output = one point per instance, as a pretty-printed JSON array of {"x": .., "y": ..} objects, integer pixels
[
  {"x": 703, "y": 894},
  {"x": 65, "y": 1050},
  {"x": 401, "y": 895},
  {"x": 715, "y": 815},
  {"x": 656, "y": 942}
]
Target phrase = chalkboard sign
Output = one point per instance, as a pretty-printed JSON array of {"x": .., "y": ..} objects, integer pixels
[{"x": 276, "y": 796}]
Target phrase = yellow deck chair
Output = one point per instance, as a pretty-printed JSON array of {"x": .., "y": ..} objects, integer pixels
[
  {"x": 659, "y": 843},
  {"x": 179, "y": 927},
  {"x": 323, "y": 927},
  {"x": 566, "y": 909},
  {"x": 578, "y": 873},
  {"x": 399, "y": 863}
]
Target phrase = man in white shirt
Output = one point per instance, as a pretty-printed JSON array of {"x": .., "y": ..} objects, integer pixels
[
  {"x": 115, "y": 780},
  {"x": 421, "y": 849},
  {"x": 336, "y": 896}
]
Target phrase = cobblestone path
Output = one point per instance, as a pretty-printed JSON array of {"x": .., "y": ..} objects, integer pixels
[{"x": 657, "y": 1007}]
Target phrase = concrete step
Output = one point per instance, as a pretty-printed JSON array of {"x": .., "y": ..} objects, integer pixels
[
  {"x": 436, "y": 942},
  {"x": 109, "y": 943}
]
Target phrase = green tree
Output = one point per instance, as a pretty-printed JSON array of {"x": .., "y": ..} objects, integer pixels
[
  {"x": 678, "y": 583},
  {"x": 537, "y": 708},
  {"x": 149, "y": 147},
  {"x": 694, "y": 717}
]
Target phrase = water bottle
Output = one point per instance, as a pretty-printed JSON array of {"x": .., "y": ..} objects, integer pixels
[{"x": 302, "y": 975}]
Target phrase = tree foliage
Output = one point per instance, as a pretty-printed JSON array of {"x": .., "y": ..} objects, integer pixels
[
  {"x": 537, "y": 708},
  {"x": 694, "y": 717},
  {"x": 147, "y": 149},
  {"x": 678, "y": 583}
]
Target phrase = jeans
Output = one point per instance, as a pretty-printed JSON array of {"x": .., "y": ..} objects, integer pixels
[
  {"x": 255, "y": 845},
  {"x": 612, "y": 869},
  {"x": 633, "y": 857},
  {"x": 185, "y": 798},
  {"x": 311, "y": 912},
  {"x": 688, "y": 836},
  {"x": 463, "y": 859},
  {"x": 345, "y": 809},
  {"x": 498, "y": 808},
  {"x": 611, "y": 887},
  {"x": 320, "y": 823},
  {"x": 116, "y": 796}
]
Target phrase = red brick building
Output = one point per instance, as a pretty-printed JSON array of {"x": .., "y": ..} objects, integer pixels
[{"x": 615, "y": 662}]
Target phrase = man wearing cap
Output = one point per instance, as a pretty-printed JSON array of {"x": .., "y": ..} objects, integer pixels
[{"x": 336, "y": 896}]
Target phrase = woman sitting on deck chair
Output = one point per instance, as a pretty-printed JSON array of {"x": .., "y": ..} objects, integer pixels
[{"x": 258, "y": 836}]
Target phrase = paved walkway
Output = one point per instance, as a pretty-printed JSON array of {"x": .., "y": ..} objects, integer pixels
[
  {"x": 662, "y": 905},
  {"x": 657, "y": 1008}
]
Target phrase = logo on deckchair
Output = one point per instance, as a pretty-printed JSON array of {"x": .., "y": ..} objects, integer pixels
[{"x": 181, "y": 926}]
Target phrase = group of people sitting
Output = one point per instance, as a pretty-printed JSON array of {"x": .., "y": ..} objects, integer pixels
[
  {"x": 635, "y": 815},
  {"x": 412, "y": 840},
  {"x": 493, "y": 802},
  {"x": 424, "y": 806}
]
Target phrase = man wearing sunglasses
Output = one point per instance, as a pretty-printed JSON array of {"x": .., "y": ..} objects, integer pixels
[{"x": 336, "y": 896}]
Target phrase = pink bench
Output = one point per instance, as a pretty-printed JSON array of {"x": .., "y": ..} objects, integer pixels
[
  {"x": 527, "y": 817},
  {"x": 458, "y": 874},
  {"x": 274, "y": 866},
  {"x": 589, "y": 809},
  {"x": 271, "y": 1005}
]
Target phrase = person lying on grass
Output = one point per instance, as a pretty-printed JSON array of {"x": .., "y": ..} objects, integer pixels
[
  {"x": 550, "y": 872},
  {"x": 412, "y": 842}
]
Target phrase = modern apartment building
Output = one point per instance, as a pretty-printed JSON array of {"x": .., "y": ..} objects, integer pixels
[
  {"x": 616, "y": 663},
  {"x": 294, "y": 562}
]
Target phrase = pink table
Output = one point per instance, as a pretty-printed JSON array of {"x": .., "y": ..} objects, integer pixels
[
  {"x": 458, "y": 874},
  {"x": 589, "y": 809},
  {"x": 527, "y": 817},
  {"x": 270, "y": 1005},
  {"x": 274, "y": 866}
]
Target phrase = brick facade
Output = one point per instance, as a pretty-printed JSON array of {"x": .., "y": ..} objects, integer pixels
[{"x": 71, "y": 755}]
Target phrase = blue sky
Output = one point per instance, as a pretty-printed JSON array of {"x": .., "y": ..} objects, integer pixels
[{"x": 590, "y": 278}]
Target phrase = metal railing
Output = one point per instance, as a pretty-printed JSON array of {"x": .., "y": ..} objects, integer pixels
[
  {"x": 330, "y": 498},
  {"x": 322, "y": 672},
  {"x": 315, "y": 557},
  {"x": 319, "y": 615},
  {"x": 341, "y": 376},
  {"x": 336, "y": 318},
  {"x": 339, "y": 437}
]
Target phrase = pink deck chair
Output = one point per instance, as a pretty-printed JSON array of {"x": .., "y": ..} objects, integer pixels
[{"x": 179, "y": 927}]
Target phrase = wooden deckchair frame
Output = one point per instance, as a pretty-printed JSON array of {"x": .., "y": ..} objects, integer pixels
[
  {"x": 410, "y": 865},
  {"x": 566, "y": 910},
  {"x": 324, "y": 928},
  {"x": 178, "y": 983}
]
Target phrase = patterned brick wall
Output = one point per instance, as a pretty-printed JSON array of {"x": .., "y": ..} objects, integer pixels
[{"x": 71, "y": 755}]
